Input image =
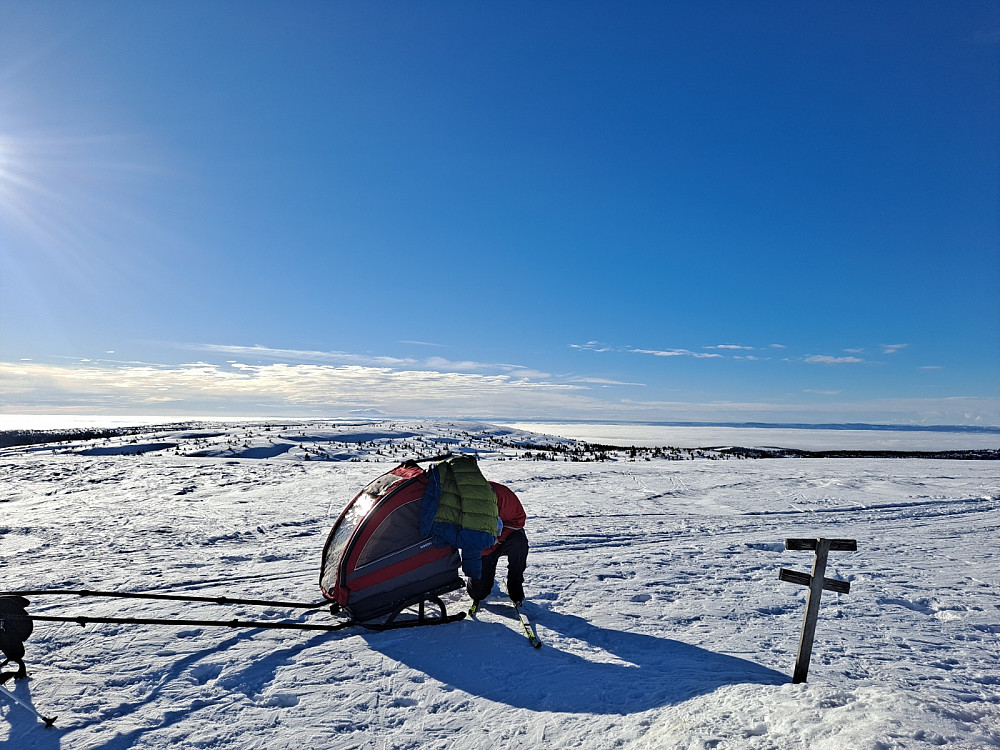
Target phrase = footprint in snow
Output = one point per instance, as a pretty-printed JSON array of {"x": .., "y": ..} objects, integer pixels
[{"x": 205, "y": 672}]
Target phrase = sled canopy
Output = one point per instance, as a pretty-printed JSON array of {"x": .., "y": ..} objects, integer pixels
[{"x": 375, "y": 560}]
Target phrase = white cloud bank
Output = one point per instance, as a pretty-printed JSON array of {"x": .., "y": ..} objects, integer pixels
[{"x": 302, "y": 389}]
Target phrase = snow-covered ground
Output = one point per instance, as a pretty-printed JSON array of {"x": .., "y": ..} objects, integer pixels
[{"x": 653, "y": 583}]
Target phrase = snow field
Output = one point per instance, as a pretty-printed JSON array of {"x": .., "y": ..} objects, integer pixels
[{"x": 652, "y": 584}]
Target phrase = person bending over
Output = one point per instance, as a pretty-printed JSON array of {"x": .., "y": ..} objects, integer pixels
[{"x": 512, "y": 544}]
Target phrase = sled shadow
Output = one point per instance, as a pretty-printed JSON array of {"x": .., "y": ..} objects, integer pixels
[
  {"x": 250, "y": 680},
  {"x": 622, "y": 672},
  {"x": 26, "y": 731}
]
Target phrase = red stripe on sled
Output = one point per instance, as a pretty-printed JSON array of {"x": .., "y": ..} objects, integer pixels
[{"x": 404, "y": 566}]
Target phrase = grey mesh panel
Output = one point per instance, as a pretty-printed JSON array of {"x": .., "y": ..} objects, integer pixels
[{"x": 398, "y": 530}]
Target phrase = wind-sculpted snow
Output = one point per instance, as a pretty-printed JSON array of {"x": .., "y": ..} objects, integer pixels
[{"x": 653, "y": 584}]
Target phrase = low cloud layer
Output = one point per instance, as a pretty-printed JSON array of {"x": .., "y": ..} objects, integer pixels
[{"x": 297, "y": 389}]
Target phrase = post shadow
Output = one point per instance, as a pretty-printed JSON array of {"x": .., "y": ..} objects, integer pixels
[{"x": 628, "y": 672}]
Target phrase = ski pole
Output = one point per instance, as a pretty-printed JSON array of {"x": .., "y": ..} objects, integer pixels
[
  {"x": 169, "y": 597},
  {"x": 48, "y": 722}
]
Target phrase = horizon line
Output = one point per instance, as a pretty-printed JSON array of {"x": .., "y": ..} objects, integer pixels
[{"x": 150, "y": 419}]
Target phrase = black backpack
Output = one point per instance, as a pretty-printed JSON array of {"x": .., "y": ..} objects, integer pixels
[{"x": 15, "y": 627}]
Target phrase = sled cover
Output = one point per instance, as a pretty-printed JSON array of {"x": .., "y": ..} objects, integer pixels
[{"x": 376, "y": 560}]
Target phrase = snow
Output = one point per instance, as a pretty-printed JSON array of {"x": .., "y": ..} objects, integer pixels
[{"x": 653, "y": 584}]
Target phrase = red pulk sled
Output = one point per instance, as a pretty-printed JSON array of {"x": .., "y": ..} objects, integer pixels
[{"x": 376, "y": 561}]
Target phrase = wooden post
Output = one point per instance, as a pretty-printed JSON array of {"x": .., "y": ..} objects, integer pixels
[
  {"x": 812, "y": 611},
  {"x": 816, "y": 583}
]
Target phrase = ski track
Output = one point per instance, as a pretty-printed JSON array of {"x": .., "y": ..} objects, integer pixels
[{"x": 653, "y": 586}]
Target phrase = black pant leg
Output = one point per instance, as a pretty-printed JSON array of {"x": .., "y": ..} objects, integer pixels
[
  {"x": 480, "y": 588},
  {"x": 516, "y": 550}
]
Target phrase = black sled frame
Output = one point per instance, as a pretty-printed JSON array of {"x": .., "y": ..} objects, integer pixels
[{"x": 16, "y": 623}]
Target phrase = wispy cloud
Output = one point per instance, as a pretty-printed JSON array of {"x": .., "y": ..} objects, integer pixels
[
  {"x": 742, "y": 352},
  {"x": 676, "y": 353},
  {"x": 258, "y": 353},
  {"x": 595, "y": 346},
  {"x": 440, "y": 363},
  {"x": 826, "y": 359},
  {"x": 300, "y": 355},
  {"x": 661, "y": 352},
  {"x": 602, "y": 381},
  {"x": 715, "y": 351},
  {"x": 893, "y": 348}
]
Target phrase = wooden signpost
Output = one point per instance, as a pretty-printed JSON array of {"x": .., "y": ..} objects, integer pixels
[{"x": 816, "y": 583}]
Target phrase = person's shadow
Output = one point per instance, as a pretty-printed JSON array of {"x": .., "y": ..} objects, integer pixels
[{"x": 609, "y": 672}]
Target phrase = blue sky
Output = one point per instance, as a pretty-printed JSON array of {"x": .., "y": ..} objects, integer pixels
[{"x": 768, "y": 211}]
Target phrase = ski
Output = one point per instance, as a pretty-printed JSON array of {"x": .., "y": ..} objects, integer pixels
[
  {"x": 48, "y": 721},
  {"x": 529, "y": 631}
]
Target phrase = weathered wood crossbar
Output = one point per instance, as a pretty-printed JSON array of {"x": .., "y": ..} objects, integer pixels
[
  {"x": 817, "y": 584},
  {"x": 836, "y": 545},
  {"x": 804, "y": 579}
]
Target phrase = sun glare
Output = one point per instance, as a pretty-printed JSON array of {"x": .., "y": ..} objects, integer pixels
[
  {"x": 6, "y": 167},
  {"x": 71, "y": 208},
  {"x": 15, "y": 183}
]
